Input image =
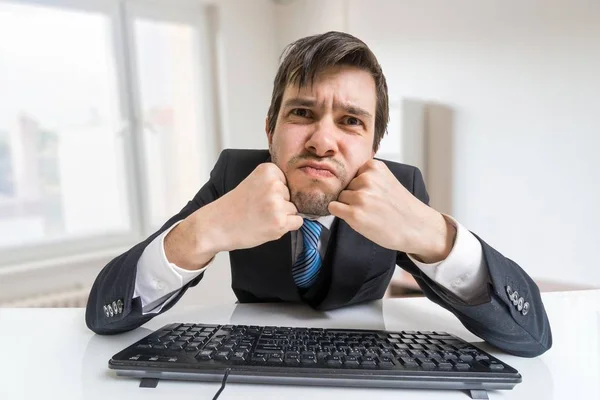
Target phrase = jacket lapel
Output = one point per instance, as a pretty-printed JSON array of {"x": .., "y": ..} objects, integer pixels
[
  {"x": 266, "y": 270},
  {"x": 351, "y": 256}
]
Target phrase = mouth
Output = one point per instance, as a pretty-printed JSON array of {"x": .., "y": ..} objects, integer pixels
[{"x": 316, "y": 169}]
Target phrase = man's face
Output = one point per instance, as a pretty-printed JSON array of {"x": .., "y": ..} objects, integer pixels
[{"x": 324, "y": 133}]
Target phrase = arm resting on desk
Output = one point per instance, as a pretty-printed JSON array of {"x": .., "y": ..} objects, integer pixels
[
  {"x": 115, "y": 285},
  {"x": 496, "y": 319}
]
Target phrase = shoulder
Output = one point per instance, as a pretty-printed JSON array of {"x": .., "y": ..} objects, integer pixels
[
  {"x": 234, "y": 165},
  {"x": 405, "y": 173}
]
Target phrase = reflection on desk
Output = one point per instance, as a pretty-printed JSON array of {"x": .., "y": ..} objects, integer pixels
[{"x": 51, "y": 350}]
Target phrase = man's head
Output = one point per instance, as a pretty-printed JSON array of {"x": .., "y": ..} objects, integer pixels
[{"x": 329, "y": 111}]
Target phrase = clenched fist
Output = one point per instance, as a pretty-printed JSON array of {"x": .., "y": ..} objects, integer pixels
[
  {"x": 376, "y": 205},
  {"x": 257, "y": 211}
]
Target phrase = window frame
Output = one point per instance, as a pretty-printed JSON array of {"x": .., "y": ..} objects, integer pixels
[{"x": 122, "y": 14}]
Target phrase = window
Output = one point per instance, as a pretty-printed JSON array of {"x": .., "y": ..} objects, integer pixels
[{"x": 103, "y": 122}]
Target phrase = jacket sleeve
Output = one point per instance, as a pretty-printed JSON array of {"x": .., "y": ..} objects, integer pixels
[
  {"x": 116, "y": 282},
  {"x": 498, "y": 321}
]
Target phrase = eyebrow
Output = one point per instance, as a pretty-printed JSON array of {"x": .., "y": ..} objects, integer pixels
[{"x": 349, "y": 108}]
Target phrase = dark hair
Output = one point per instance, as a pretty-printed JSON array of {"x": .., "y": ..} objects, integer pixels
[{"x": 306, "y": 57}]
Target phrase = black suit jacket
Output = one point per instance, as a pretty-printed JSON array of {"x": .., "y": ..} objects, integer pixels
[{"x": 360, "y": 270}]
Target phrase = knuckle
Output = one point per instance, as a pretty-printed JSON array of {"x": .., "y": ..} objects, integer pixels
[
  {"x": 357, "y": 214},
  {"x": 376, "y": 164},
  {"x": 280, "y": 223},
  {"x": 362, "y": 197},
  {"x": 262, "y": 168}
]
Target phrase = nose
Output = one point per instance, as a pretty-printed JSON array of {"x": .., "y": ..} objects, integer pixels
[{"x": 323, "y": 140}]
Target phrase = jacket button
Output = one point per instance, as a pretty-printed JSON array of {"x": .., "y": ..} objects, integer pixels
[
  {"x": 509, "y": 291},
  {"x": 520, "y": 304},
  {"x": 525, "y": 308},
  {"x": 515, "y": 298},
  {"x": 106, "y": 311},
  {"x": 120, "y": 306},
  {"x": 114, "y": 306},
  {"x": 110, "y": 310}
]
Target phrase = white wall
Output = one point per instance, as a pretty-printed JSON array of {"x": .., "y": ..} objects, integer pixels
[
  {"x": 522, "y": 79},
  {"x": 249, "y": 63}
]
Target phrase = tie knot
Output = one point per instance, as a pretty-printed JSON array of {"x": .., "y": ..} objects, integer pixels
[{"x": 311, "y": 231}]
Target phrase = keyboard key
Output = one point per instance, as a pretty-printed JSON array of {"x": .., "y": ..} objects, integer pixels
[
  {"x": 493, "y": 365},
  {"x": 462, "y": 366},
  {"x": 334, "y": 361},
  {"x": 177, "y": 345},
  {"x": 205, "y": 355},
  {"x": 441, "y": 337},
  {"x": 416, "y": 353},
  {"x": 308, "y": 359},
  {"x": 368, "y": 362},
  {"x": 259, "y": 357},
  {"x": 275, "y": 359},
  {"x": 222, "y": 355},
  {"x": 386, "y": 362},
  {"x": 409, "y": 362},
  {"x": 351, "y": 362},
  {"x": 444, "y": 365}
]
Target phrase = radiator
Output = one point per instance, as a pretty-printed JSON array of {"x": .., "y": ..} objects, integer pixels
[{"x": 73, "y": 297}]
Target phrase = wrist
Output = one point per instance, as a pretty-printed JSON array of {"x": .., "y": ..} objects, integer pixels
[
  {"x": 438, "y": 240},
  {"x": 189, "y": 246}
]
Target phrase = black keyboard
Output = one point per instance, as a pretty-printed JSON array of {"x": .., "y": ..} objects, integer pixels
[{"x": 313, "y": 356}]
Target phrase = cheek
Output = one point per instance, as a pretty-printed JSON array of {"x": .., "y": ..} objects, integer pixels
[
  {"x": 356, "y": 155},
  {"x": 288, "y": 141}
]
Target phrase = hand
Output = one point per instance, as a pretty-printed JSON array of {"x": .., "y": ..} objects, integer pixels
[
  {"x": 376, "y": 205},
  {"x": 257, "y": 211}
]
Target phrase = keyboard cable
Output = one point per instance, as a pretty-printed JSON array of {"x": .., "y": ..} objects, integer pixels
[{"x": 222, "y": 383}]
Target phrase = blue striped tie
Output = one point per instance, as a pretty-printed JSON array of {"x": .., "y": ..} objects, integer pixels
[{"x": 306, "y": 267}]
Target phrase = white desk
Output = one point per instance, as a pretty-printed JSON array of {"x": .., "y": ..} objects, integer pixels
[{"x": 49, "y": 353}]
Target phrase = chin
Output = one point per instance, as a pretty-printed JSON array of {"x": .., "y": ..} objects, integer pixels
[{"x": 313, "y": 201}]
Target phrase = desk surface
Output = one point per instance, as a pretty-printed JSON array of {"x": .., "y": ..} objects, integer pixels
[{"x": 49, "y": 353}]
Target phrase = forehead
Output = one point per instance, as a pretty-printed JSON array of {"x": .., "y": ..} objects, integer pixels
[{"x": 345, "y": 84}]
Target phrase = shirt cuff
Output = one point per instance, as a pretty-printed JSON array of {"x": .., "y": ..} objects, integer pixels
[
  {"x": 464, "y": 272},
  {"x": 157, "y": 278}
]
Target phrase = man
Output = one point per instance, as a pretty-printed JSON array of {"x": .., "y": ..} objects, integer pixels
[{"x": 317, "y": 219}]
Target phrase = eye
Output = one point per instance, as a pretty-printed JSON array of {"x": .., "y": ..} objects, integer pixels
[
  {"x": 353, "y": 121},
  {"x": 301, "y": 112}
]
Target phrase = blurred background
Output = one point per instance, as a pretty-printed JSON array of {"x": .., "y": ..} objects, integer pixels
[{"x": 113, "y": 112}]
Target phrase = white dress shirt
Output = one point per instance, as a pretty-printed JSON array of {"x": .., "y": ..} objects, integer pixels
[{"x": 464, "y": 272}]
